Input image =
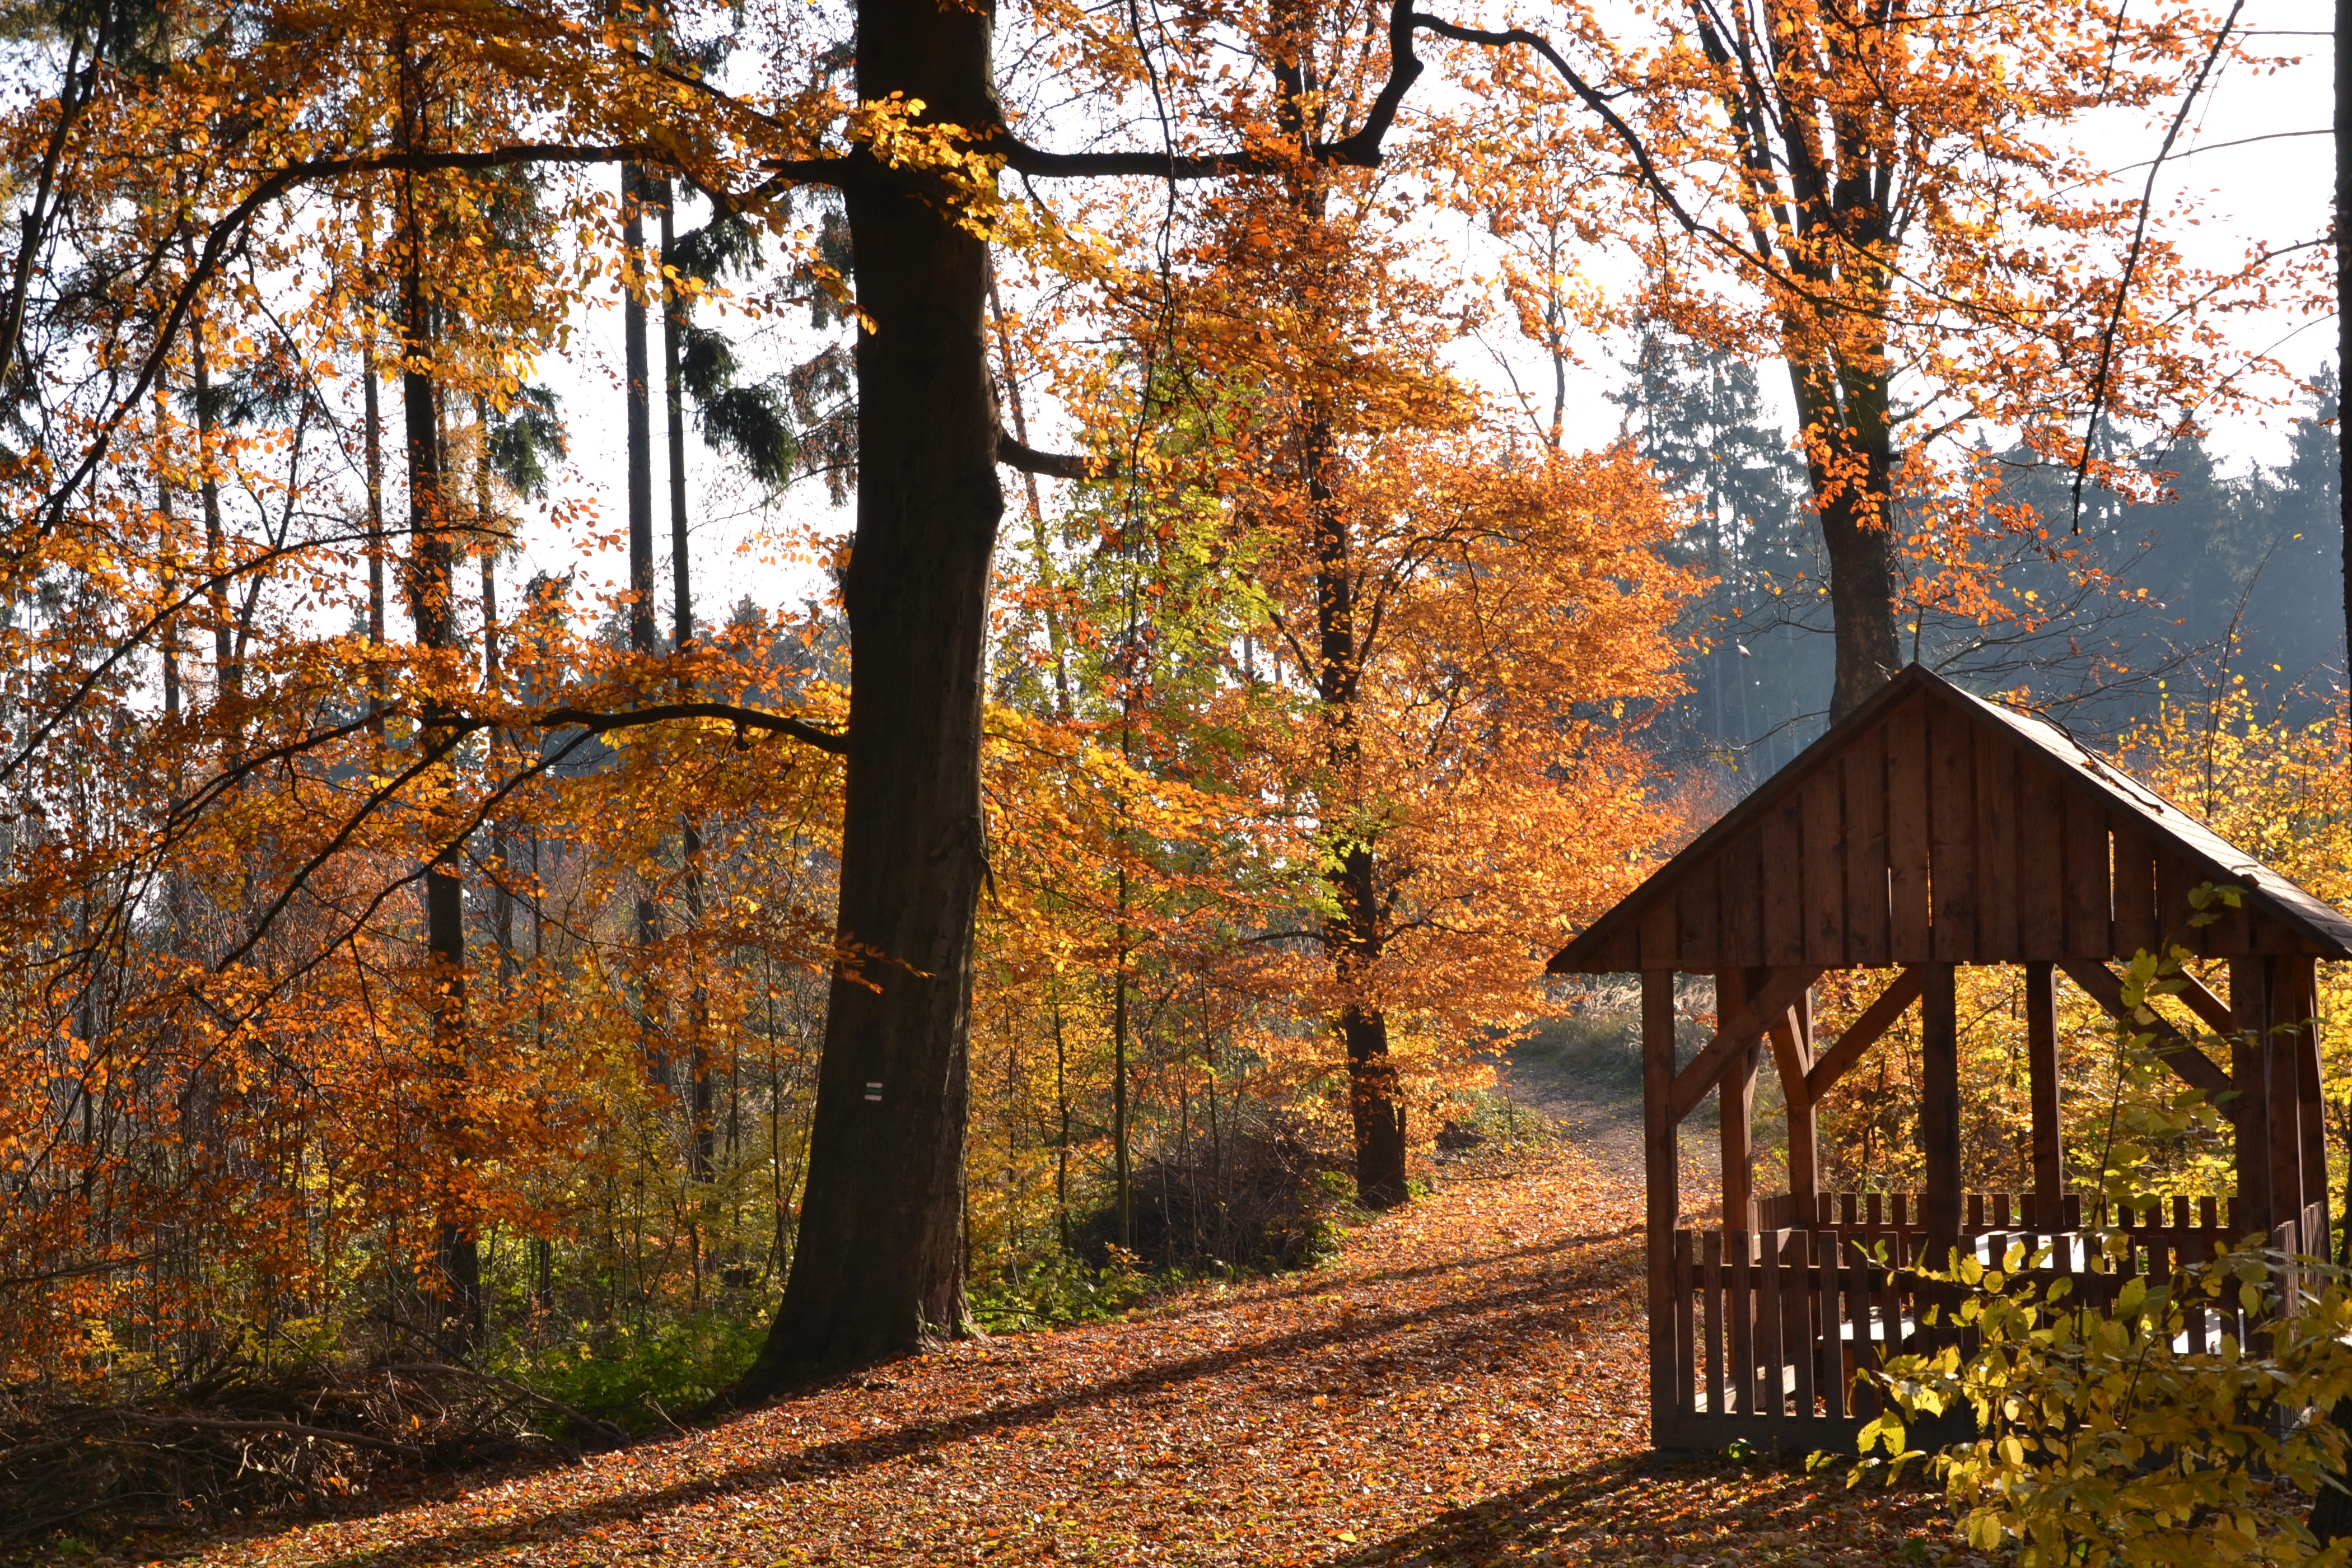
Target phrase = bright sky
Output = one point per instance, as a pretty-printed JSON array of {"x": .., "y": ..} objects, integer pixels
[{"x": 2276, "y": 190}]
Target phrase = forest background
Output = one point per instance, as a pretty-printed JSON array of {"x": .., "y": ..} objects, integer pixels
[{"x": 417, "y": 961}]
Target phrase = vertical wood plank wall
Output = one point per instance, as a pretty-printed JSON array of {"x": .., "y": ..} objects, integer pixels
[{"x": 1934, "y": 836}]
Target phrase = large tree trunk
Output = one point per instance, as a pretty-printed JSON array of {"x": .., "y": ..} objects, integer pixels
[
  {"x": 877, "y": 1269},
  {"x": 1849, "y": 458}
]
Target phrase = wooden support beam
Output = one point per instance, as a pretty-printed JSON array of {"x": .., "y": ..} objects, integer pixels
[
  {"x": 2286, "y": 1098},
  {"x": 1735, "y": 1112},
  {"x": 1792, "y": 1053},
  {"x": 2210, "y": 1010},
  {"x": 2249, "y": 1062},
  {"x": 2104, "y": 986},
  {"x": 2305, "y": 1014},
  {"x": 1863, "y": 1033},
  {"x": 1660, "y": 1166},
  {"x": 1940, "y": 1107},
  {"x": 2041, "y": 1074},
  {"x": 1737, "y": 1028}
]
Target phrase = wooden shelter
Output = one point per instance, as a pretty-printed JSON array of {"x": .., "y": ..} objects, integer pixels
[{"x": 1926, "y": 830}]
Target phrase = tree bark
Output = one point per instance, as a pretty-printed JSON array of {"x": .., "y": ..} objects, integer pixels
[
  {"x": 878, "y": 1266},
  {"x": 1850, "y": 462}
]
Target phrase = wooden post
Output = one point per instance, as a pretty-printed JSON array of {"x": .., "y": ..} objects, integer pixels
[
  {"x": 1940, "y": 1108},
  {"x": 1663, "y": 1178},
  {"x": 2250, "y": 1061},
  {"x": 2041, "y": 1074},
  {"x": 2306, "y": 990},
  {"x": 1792, "y": 1049},
  {"x": 2287, "y": 1197},
  {"x": 1736, "y": 1112}
]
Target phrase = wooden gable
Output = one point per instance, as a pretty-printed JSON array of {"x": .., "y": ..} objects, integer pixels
[{"x": 1930, "y": 826}]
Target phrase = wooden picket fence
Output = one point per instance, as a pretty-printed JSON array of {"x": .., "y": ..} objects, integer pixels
[{"x": 1771, "y": 1326}]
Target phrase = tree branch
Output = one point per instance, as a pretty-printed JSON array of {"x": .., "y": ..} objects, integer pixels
[{"x": 1028, "y": 459}]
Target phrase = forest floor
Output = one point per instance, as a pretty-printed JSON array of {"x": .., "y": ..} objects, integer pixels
[{"x": 1463, "y": 1384}]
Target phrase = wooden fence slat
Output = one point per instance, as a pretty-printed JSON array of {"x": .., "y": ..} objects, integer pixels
[
  {"x": 1827, "y": 1339},
  {"x": 1687, "y": 1284},
  {"x": 1770, "y": 1288},
  {"x": 1951, "y": 839},
  {"x": 1739, "y": 1310},
  {"x": 1796, "y": 1331},
  {"x": 1862, "y": 774},
  {"x": 1712, "y": 1299},
  {"x": 1906, "y": 832}
]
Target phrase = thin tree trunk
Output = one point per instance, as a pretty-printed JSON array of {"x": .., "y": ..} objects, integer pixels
[
  {"x": 701, "y": 1143},
  {"x": 215, "y": 534},
  {"x": 879, "y": 1267},
  {"x": 432, "y": 601},
  {"x": 637, "y": 396}
]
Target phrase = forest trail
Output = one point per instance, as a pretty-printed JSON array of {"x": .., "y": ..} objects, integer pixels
[{"x": 1463, "y": 1385}]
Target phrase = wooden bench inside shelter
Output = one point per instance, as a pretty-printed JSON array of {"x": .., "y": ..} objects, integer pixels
[{"x": 1926, "y": 830}]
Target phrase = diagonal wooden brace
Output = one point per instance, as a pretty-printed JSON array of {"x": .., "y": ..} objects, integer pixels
[
  {"x": 1772, "y": 1000},
  {"x": 1863, "y": 1033},
  {"x": 2104, "y": 986}
]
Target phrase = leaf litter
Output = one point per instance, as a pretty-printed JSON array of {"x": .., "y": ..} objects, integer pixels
[{"x": 1464, "y": 1385}]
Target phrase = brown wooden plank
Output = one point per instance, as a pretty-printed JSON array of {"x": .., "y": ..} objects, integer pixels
[
  {"x": 1951, "y": 834},
  {"x": 2090, "y": 931},
  {"x": 1742, "y": 933},
  {"x": 2173, "y": 881},
  {"x": 1907, "y": 832},
  {"x": 1863, "y": 778},
  {"x": 1824, "y": 874},
  {"x": 2250, "y": 1010},
  {"x": 1864, "y": 1032},
  {"x": 1995, "y": 835},
  {"x": 1697, "y": 903},
  {"x": 1827, "y": 1348},
  {"x": 1715, "y": 1299},
  {"x": 2041, "y": 864},
  {"x": 1792, "y": 1034},
  {"x": 2303, "y": 988},
  {"x": 1771, "y": 1292},
  {"x": 1739, "y": 1310},
  {"x": 2042, "y": 1086},
  {"x": 1660, "y": 948},
  {"x": 1939, "y": 1106},
  {"x": 1661, "y": 1176},
  {"x": 1735, "y": 1114},
  {"x": 1797, "y": 1339},
  {"x": 2210, "y": 1010},
  {"x": 1783, "y": 833},
  {"x": 1682, "y": 1376},
  {"x": 2134, "y": 859}
]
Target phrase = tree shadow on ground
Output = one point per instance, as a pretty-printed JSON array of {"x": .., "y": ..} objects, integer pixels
[{"x": 1651, "y": 1510}]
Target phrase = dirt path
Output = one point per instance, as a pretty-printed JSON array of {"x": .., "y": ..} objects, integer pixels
[{"x": 1466, "y": 1385}]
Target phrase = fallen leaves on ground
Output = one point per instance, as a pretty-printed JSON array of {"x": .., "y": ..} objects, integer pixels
[{"x": 1464, "y": 1385}]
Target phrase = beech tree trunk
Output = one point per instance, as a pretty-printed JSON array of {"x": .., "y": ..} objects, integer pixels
[
  {"x": 878, "y": 1269},
  {"x": 1848, "y": 458}
]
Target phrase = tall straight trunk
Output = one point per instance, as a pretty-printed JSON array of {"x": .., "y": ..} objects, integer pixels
[
  {"x": 433, "y": 608},
  {"x": 878, "y": 1268},
  {"x": 1845, "y": 415},
  {"x": 372, "y": 415},
  {"x": 638, "y": 403},
  {"x": 702, "y": 1142},
  {"x": 215, "y": 534}
]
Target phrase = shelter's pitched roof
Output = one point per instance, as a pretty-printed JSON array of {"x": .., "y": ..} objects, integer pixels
[{"x": 1932, "y": 824}]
